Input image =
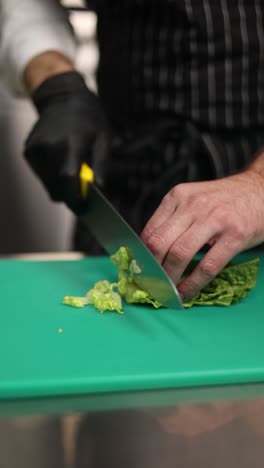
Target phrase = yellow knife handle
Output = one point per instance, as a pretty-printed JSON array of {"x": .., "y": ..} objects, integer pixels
[{"x": 86, "y": 178}]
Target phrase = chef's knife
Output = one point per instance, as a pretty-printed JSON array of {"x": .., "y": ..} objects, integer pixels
[{"x": 113, "y": 232}]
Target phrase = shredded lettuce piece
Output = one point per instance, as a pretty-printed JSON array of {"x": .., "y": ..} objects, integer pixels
[
  {"x": 108, "y": 296},
  {"x": 134, "y": 268},
  {"x": 127, "y": 287},
  {"x": 134, "y": 294},
  {"x": 122, "y": 259},
  {"x": 103, "y": 297},
  {"x": 75, "y": 301},
  {"x": 229, "y": 286}
]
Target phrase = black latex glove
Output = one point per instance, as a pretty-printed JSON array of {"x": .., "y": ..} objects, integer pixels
[{"x": 72, "y": 129}]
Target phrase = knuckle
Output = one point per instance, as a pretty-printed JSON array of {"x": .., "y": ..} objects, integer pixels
[
  {"x": 199, "y": 201},
  {"x": 177, "y": 191},
  {"x": 145, "y": 235},
  {"x": 177, "y": 253},
  {"x": 166, "y": 202},
  {"x": 239, "y": 233},
  {"x": 155, "y": 243},
  {"x": 208, "y": 269}
]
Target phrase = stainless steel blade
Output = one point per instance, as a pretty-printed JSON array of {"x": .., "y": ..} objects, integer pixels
[{"x": 112, "y": 232}]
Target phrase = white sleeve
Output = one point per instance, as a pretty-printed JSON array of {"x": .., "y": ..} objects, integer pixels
[{"x": 28, "y": 28}]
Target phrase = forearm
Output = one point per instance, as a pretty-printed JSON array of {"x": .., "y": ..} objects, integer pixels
[
  {"x": 44, "y": 66},
  {"x": 30, "y": 28}
]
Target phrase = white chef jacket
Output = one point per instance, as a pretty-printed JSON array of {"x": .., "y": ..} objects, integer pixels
[{"x": 28, "y": 28}]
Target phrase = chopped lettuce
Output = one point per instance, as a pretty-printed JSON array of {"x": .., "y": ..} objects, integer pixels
[
  {"x": 75, "y": 301},
  {"x": 127, "y": 287},
  {"x": 122, "y": 260},
  {"x": 108, "y": 296},
  {"x": 102, "y": 296},
  {"x": 134, "y": 295},
  {"x": 229, "y": 286}
]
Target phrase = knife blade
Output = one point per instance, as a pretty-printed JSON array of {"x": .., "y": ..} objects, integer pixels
[{"x": 113, "y": 232}]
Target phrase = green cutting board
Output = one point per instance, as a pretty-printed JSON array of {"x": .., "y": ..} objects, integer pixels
[{"x": 48, "y": 349}]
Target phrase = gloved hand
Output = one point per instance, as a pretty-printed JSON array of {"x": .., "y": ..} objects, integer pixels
[{"x": 72, "y": 129}]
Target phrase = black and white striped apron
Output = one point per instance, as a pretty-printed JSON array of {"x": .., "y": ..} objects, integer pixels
[{"x": 184, "y": 79}]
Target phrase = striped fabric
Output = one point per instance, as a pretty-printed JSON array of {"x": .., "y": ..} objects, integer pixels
[
  {"x": 200, "y": 59},
  {"x": 185, "y": 80}
]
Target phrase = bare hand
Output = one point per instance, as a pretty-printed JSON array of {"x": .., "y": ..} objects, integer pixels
[{"x": 226, "y": 214}]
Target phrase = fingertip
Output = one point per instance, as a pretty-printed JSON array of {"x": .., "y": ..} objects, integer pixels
[{"x": 185, "y": 293}]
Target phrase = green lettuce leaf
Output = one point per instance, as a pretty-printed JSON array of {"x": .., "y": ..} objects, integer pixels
[
  {"x": 127, "y": 287},
  {"x": 122, "y": 260},
  {"x": 230, "y": 285},
  {"x": 103, "y": 297},
  {"x": 135, "y": 295},
  {"x": 75, "y": 301}
]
